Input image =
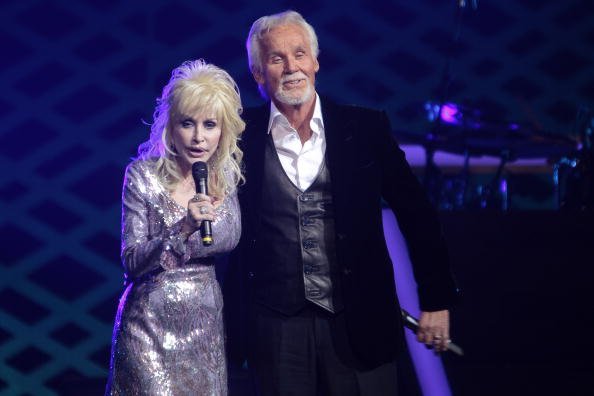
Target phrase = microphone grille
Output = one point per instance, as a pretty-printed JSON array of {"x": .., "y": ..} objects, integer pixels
[{"x": 199, "y": 170}]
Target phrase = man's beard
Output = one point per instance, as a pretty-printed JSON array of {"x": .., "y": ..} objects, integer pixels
[{"x": 290, "y": 98}]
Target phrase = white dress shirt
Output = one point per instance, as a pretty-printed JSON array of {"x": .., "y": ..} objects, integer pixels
[{"x": 301, "y": 162}]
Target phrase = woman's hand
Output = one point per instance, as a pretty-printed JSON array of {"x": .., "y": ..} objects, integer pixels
[{"x": 200, "y": 207}]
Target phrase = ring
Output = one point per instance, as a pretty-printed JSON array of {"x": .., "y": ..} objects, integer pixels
[
  {"x": 195, "y": 198},
  {"x": 203, "y": 210}
]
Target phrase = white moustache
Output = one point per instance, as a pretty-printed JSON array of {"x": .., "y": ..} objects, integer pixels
[{"x": 293, "y": 77}]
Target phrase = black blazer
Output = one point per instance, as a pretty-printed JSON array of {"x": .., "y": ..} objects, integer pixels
[{"x": 365, "y": 165}]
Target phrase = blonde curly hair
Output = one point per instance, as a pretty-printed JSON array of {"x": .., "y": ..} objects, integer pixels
[{"x": 196, "y": 86}]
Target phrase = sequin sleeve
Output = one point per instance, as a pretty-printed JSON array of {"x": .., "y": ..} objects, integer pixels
[
  {"x": 140, "y": 252},
  {"x": 151, "y": 225},
  {"x": 147, "y": 243}
]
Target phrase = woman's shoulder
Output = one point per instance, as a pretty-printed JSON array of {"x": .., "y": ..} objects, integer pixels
[
  {"x": 233, "y": 180},
  {"x": 142, "y": 166},
  {"x": 142, "y": 171}
]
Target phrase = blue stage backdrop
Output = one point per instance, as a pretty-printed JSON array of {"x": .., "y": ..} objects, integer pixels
[{"x": 79, "y": 77}]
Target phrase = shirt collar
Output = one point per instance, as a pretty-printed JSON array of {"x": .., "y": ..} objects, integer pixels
[{"x": 316, "y": 123}]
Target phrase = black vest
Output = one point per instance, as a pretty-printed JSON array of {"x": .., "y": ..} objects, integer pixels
[{"x": 296, "y": 242}]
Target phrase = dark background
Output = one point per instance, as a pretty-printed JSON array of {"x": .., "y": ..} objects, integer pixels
[{"x": 79, "y": 77}]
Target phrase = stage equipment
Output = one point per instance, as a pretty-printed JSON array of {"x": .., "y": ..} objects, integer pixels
[
  {"x": 464, "y": 131},
  {"x": 574, "y": 175}
]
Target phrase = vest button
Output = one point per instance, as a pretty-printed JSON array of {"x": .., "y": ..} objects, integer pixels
[
  {"x": 309, "y": 244},
  {"x": 305, "y": 197},
  {"x": 306, "y": 220},
  {"x": 310, "y": 268}
]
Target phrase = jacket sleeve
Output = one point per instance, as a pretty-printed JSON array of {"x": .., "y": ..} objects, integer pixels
[
  {"x": 418, "y": 221},
  {"x": 142, "y": 252}
]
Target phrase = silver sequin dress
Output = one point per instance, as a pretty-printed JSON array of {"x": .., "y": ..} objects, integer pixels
[{"x": 168, "y": 335}]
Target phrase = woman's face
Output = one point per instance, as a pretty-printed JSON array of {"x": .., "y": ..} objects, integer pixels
[{"x": 195, "y": 137}]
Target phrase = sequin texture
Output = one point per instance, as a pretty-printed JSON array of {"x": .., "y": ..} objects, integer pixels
[{"x": 168, "y": 334}]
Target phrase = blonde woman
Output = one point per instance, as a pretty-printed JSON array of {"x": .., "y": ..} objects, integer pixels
[{"x": 168, "y": 334}]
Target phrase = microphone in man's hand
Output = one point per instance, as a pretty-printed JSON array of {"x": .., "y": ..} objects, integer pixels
[
  {"x": 413, "y": 324},
  {"x": 200, "y": 175}
]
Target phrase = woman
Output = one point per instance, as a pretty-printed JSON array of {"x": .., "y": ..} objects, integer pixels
[{"x": 168, "y": 335}]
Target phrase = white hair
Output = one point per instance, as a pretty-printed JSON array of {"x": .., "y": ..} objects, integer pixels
[{"x": 265, "y": 24}]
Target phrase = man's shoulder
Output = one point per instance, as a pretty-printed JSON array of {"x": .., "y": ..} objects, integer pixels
[
  {"x": 348, "y": 110},
  {"x": 252, "y": 113}
]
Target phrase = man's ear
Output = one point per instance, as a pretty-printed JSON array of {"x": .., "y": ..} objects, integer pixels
[
  {"x": 316, "y": 65},
  {"x": 258, "y": 76}
]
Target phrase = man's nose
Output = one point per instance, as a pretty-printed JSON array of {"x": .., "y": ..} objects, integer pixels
[{"x": 290, "y": 65}]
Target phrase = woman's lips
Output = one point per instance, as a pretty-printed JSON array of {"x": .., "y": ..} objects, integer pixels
[{"x": 197, "y": 152}]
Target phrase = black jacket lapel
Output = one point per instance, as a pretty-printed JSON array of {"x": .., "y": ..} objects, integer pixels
[{"x": 339, "y": 153}]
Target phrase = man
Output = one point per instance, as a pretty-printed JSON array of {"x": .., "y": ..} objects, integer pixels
[{"x": 323, "y": 312}]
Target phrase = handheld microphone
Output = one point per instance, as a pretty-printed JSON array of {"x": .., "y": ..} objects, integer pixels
[
  {"x": 412, "y": 323},
  {"x": 200, "y": 175}
]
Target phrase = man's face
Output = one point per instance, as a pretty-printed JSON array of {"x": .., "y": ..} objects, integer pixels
[{"x": 289, "y": 67}]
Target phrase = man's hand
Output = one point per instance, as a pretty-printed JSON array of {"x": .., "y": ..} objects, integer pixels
[{"x": 434, "y": 329}]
